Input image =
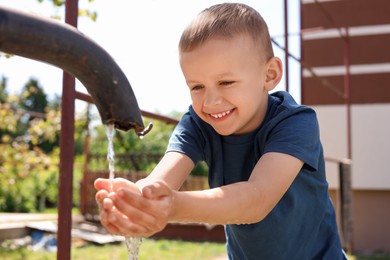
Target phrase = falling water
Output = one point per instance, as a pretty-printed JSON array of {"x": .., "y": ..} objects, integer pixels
[
  {"x": 110, "y": 131},
  {"x": 132, "y": 243}
]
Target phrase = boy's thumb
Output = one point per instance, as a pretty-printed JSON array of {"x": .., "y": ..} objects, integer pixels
[{"x": 154, "y": 190}]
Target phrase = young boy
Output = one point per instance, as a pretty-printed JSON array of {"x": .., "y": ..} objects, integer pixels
[{"x": 266, "y": 164}]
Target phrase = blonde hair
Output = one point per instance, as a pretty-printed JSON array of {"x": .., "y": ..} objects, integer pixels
[{"x": 227, "y": 20}]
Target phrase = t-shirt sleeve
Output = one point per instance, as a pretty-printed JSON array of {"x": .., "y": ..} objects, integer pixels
[
  {"x": 297, "y": 134},
  {"x": 187, "y": 139}
]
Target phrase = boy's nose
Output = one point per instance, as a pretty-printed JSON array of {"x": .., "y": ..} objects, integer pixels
[{"x": 212, "y": 98}]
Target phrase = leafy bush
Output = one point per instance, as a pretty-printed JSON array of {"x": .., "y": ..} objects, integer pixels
[{"x": 28, "y": 176}]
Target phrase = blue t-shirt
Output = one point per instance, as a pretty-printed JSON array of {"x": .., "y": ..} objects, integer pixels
[{"x": 303, "y": 223}]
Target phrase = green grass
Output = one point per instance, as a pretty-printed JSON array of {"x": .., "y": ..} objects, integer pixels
[
  {"x": 75, "y": 211},
  {"x": 149, "y": 250}
]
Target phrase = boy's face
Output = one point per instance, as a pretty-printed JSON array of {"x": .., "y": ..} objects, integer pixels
[{"x": 227, "y": 81}]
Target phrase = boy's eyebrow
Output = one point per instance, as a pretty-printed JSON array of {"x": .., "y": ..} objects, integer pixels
[
  {"x": 190, "y": 82},
  {"x": 217, "y": 77},
  {"x": 225, "y": 74}
]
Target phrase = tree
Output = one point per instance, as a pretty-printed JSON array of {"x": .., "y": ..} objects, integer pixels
[
  {"x": 82, "y": 12},
  {"x": 33, "y": 98},
  {"x": 28, "y": 175},
  {"x": 3, "y": 91},
  {"x": 34, "y": 103}
]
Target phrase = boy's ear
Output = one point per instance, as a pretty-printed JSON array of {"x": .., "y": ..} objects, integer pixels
[{"x": 274, "y": 72}]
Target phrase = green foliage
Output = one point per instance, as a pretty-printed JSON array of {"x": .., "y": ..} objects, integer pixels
[
  {"x": 3, "y": 92},
  {"x": 82, "y": 12},
  {"x": 28, "y": 175},
  {"x": 201, "y": 169},
  {"x": 131, "y": 152},
  {"x": 33, "y": 97},
  {"x": 29, "y": 141},
  {"x": 28, "y": 178},
  {"x": 82, "y": 121}
]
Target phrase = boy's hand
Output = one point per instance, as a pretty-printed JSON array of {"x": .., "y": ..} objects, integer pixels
[
  {"x": 106, "y": 205},
  {"x": 141, "y": 214},
  {"x": 103, "y": 187}
]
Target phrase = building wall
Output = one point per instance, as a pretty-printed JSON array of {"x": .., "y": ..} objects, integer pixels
[
  {"x": 336, "y": 31},
  {"x": 370, "y": 223},
  {"x": 370, "y": 143}
]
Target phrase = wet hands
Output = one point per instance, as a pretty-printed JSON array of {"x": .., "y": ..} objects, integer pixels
[{"x": 133, "y": 210}]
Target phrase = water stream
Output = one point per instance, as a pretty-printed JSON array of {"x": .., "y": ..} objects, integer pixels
[
  {"x": 132, "y": 243},
  {"x": 110, "y": 131}
]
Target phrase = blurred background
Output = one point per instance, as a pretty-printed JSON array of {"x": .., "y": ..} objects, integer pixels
[{"x": 336, "y": 60}]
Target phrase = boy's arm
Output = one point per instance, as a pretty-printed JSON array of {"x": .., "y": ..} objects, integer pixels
[
  {"x": 173, "y": 169},
  {"x": 238, "y": 203},
  {"x": 242, "y": 202}
]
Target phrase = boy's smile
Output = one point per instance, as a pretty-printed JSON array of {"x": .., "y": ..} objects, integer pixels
[
  {"x": 227, "y": 78},
  {"x": 222, "y": 115}
]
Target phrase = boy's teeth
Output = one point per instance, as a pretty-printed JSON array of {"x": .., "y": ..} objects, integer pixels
[{"x": 220, "y": 114}]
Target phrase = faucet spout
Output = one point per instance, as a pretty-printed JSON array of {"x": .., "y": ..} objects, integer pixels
[{"x": 63, "y": 46}]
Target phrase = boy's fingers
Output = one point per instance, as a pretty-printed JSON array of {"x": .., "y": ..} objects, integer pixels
[
  {"x": 119, "y": 183},
  {"x": 139, "y": 210},
  {"x": 113, "y": 229},
  {"x": 104, "y": 220},
  {"x": 102, "y": 184},
  {"x": 107, "y": 204},
  {"x": 112, "y": 221},
  {"x": 121, "y": 225},
  {"x": 100, "y": 196},
  {"x": 130, "y": 203},
  {"x": 115, "y": 184}
]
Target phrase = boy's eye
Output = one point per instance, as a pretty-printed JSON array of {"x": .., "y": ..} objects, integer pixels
[
  {"x": 196, "y": 87},
  {"x": 226, "y": 83}
]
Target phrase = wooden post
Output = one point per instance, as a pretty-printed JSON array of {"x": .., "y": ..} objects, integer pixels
[{"x": 346, "y": 203}]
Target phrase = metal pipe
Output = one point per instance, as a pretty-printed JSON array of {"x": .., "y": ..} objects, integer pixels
[
  {"x": 165, "y": 119},
  {"x": 65, "y": 179},
  {"x": 62, "y": 45},
  {"x": 65, "y": 182}
]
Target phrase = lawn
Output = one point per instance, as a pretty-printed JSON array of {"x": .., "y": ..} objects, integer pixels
[{"x": 150, "y": 250}]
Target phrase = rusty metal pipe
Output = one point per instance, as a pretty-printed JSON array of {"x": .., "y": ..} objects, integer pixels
[{"x": 63, "y": 46}]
